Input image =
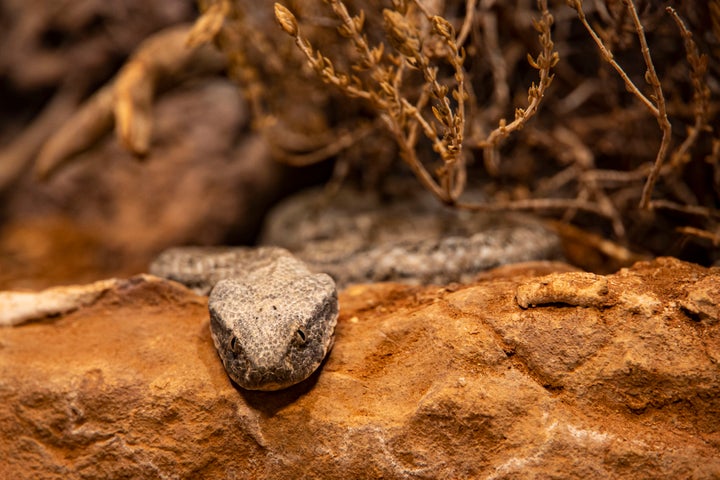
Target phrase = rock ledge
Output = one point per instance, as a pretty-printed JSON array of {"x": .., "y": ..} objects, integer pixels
[{"x": 423, "y": 382}]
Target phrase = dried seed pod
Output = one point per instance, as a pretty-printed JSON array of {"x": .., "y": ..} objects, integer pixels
[
  {"x": 286, "y": 20},
  {"x": 403, "y": 36}
]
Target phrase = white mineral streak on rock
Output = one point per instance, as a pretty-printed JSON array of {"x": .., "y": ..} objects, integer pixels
[{"x": 18, "y": 307}]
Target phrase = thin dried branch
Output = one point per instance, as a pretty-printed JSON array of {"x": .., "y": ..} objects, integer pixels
[
  {"x": 493, "y": 52},
  {"x": 609, "y": 58},
  {"x": 714, "y": 237},
  {"x": 208, "y": 26},
  {"x": 18, "y": 156},
  {"x": 615, "y": 177},
  {"x": 343, "y": 141},
  {"x": 537, "y": 204},
  {"x": 565, "y": 145},
  {"x": 701, "y": 92},
  {"x": 405, "y": 39},
  {"x": 611, "y": 249},
  {"x": 86, "y": 126},
  {"x": 661, "y": 117},
  {"x": 688, "y": 209},
  {"x": 127, "y": 101},
  {"x": 544, "y": 62},
  {"x": 470, "y": 6}
]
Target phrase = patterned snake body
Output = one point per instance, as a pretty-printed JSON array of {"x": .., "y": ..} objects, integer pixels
[{"x": 272, "y": 319}]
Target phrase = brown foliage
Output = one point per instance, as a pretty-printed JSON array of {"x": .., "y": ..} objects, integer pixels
[
  {"x": 613, "y": 102},
  {"x": 627, "y": 182}
]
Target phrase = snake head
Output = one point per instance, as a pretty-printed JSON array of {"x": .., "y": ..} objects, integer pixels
[{"x": 273, "y": 326}]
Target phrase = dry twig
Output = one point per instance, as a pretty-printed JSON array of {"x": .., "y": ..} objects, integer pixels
[
  {"x": 656, "y": 105},
  {"x": 545, "y": 61},
  {"x": 701, "y": 92},
  {"x": 127, "y": 102}
]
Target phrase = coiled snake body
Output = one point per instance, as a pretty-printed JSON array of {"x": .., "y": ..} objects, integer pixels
[{"x": 273, "y": 319}]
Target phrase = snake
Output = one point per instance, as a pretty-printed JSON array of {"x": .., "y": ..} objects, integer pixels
[
  {"x": 274, "y": 309},
  {"x": 272, "y": 320}
]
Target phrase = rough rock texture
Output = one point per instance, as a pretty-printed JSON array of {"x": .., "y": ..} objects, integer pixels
[
  {"x": 423, "y": 382},
  {"x": 17, "y": 307}
]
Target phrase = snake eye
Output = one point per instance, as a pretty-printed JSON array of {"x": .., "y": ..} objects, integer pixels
[
  {"x": 300, "y": 336},
  {"x": 233, "y": 344}
]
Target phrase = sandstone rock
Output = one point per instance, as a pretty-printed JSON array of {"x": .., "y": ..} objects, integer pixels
[
  {"x": 17, "y": 307},
  {"x": 423, "y": 382}
]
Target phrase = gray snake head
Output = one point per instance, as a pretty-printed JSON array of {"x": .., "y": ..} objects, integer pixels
[{"x": 273, "y": 326}]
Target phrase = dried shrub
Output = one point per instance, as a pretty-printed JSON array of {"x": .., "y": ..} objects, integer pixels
[
  {"x": 597, "y": 150},
  {"x": 600, "y": 113}
]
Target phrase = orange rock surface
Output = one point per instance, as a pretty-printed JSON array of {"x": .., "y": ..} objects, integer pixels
[{"x": 431, "y": 382}]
